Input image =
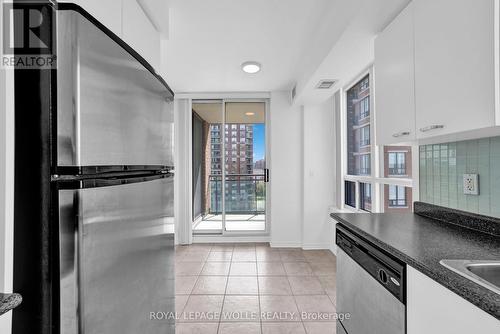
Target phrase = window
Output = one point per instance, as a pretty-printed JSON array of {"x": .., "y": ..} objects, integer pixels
[
  {"x": 375, "y": 178},
  {"x": 365, "y": 192},
  {"x": 364, "y": 164},
  {"x": 365, "y": 136},
  {"x": 350, "y": 194},
  {"x": 365, "y": 83},
  {"x": 397, "y": 196},
  {"x": 364, "y": 108},
  {"x": 396, "y": 163}
]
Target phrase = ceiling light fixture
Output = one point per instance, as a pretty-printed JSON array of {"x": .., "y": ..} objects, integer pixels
[
  {"x": 249, "y": 113},
  {"x": 250, "y": 67}
]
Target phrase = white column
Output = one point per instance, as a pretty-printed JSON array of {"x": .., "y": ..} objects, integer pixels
[{"x": 183, "y": 172}]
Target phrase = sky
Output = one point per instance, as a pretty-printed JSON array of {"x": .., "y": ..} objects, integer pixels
[{"x": 259, "y": 141}]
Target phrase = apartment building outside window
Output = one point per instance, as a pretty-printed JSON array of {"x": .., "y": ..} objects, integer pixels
[
  {"x": 358, "y": 137},
  {"x": 376, "y": 178},
  {"x": 239, "y": 139}
]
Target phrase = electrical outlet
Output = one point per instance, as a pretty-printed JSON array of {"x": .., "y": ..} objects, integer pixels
[{"x": 471, "y": 184}]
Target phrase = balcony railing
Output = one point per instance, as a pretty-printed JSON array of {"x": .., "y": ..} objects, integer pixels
[
  {"x": 363, "y": 115},
  {"x": 364, "y": 171},
  {"x": 395, "y": 203},
  {"x": 364, "y": 142},
  {"x": 399, "y": 170},
  {"x": 249, "y": 196}
]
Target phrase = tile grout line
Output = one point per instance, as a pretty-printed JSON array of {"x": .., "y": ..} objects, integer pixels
[
  {"x": 258, "y": 293},
  {"x": 225, "y": 291}
]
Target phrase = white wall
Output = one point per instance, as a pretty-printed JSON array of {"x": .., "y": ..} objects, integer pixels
[
  {"x": 285, "y": 172},
  {"x": 318, "y": 175},
  {"x": 302, "y": 167}
]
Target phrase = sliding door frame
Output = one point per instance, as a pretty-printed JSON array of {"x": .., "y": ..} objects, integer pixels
[
  {"x": 224, "y": 235},
  {"x": 267, "y": 229}
]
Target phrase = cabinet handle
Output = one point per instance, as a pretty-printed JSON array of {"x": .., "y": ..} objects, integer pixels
[
  {"x": 401, "y": 134},
  {"x": 431, "y": 127}
]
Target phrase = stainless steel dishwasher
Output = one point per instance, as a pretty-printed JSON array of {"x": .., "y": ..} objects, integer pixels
[{"x": 370, "y": 287}]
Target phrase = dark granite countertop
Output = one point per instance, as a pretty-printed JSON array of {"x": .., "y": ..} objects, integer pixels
[
  {"x": 8, "y": 301},
  {"x": 422, "y": 242}
]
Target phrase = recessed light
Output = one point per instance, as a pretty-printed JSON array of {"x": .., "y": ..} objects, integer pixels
[
  {"x": 249, "y": 113},
  {"x": 250, "y": 67}
]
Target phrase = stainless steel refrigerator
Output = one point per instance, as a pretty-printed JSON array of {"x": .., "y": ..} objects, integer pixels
[{"x": 112, "y": 183}]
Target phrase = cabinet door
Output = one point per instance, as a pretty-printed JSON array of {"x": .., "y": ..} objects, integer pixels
[
  {"x": 108, "y": 13},
  {"x": 454, "y": 66},
  {"x": 432, "y": 308},
  {"x": 395, "y": 81},
  {"x": 140, "y": 34}
]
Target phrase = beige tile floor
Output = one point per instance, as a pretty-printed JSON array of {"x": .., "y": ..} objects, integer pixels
[{"x": 253, "y": 288}]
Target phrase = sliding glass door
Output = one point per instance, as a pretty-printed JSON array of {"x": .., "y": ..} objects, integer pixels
[
  {"x": 245, "y": 166},
  {"x": 229, "y": 166}
]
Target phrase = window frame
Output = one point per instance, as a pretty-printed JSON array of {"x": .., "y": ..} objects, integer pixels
[{"x": 376, "y": 177}]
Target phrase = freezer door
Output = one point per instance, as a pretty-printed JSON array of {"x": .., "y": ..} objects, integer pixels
[
  {"x": 116, "y": 254},
  {"x": 111, "y": 110}
]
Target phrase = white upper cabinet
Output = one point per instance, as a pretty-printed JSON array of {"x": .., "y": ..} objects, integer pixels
[
  {"x": 108, "y": 13},
  {"x": 395, "y": 81},
  {"x": 140, "y": 34},
  {"x": 129, "y": 22},
  {"x": 454, "y": 66}
]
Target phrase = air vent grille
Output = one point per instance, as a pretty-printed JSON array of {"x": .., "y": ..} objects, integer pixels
[{"x": 325, "y": 84}]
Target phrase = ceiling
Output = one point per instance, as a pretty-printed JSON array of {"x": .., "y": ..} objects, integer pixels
[
  {"x": 236, "y": 112},
  {"x": 298, "y": 42},
  {"x": 209, "y": 39}
]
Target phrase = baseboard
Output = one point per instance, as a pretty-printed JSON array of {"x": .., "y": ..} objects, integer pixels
[
  {"x": 284, "y": 244},
  {"x": 200, "y": 239},
  {"x": 311, "y": 246},
  {"x": 316, "y": 246}
]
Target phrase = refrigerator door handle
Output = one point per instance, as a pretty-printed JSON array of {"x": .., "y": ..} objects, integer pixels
[{"x": 78, "y": 183}]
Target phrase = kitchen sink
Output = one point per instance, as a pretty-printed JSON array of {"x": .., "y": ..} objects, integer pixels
[{"x": 485, "y": 273}]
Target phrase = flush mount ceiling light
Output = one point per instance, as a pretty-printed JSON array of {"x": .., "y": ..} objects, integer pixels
[
  {"x": 249, "y": 113},
  {"x": 250, "y": 67}
]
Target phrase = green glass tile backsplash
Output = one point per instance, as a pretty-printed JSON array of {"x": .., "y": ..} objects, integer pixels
[{"x": 441, "y": 175}]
